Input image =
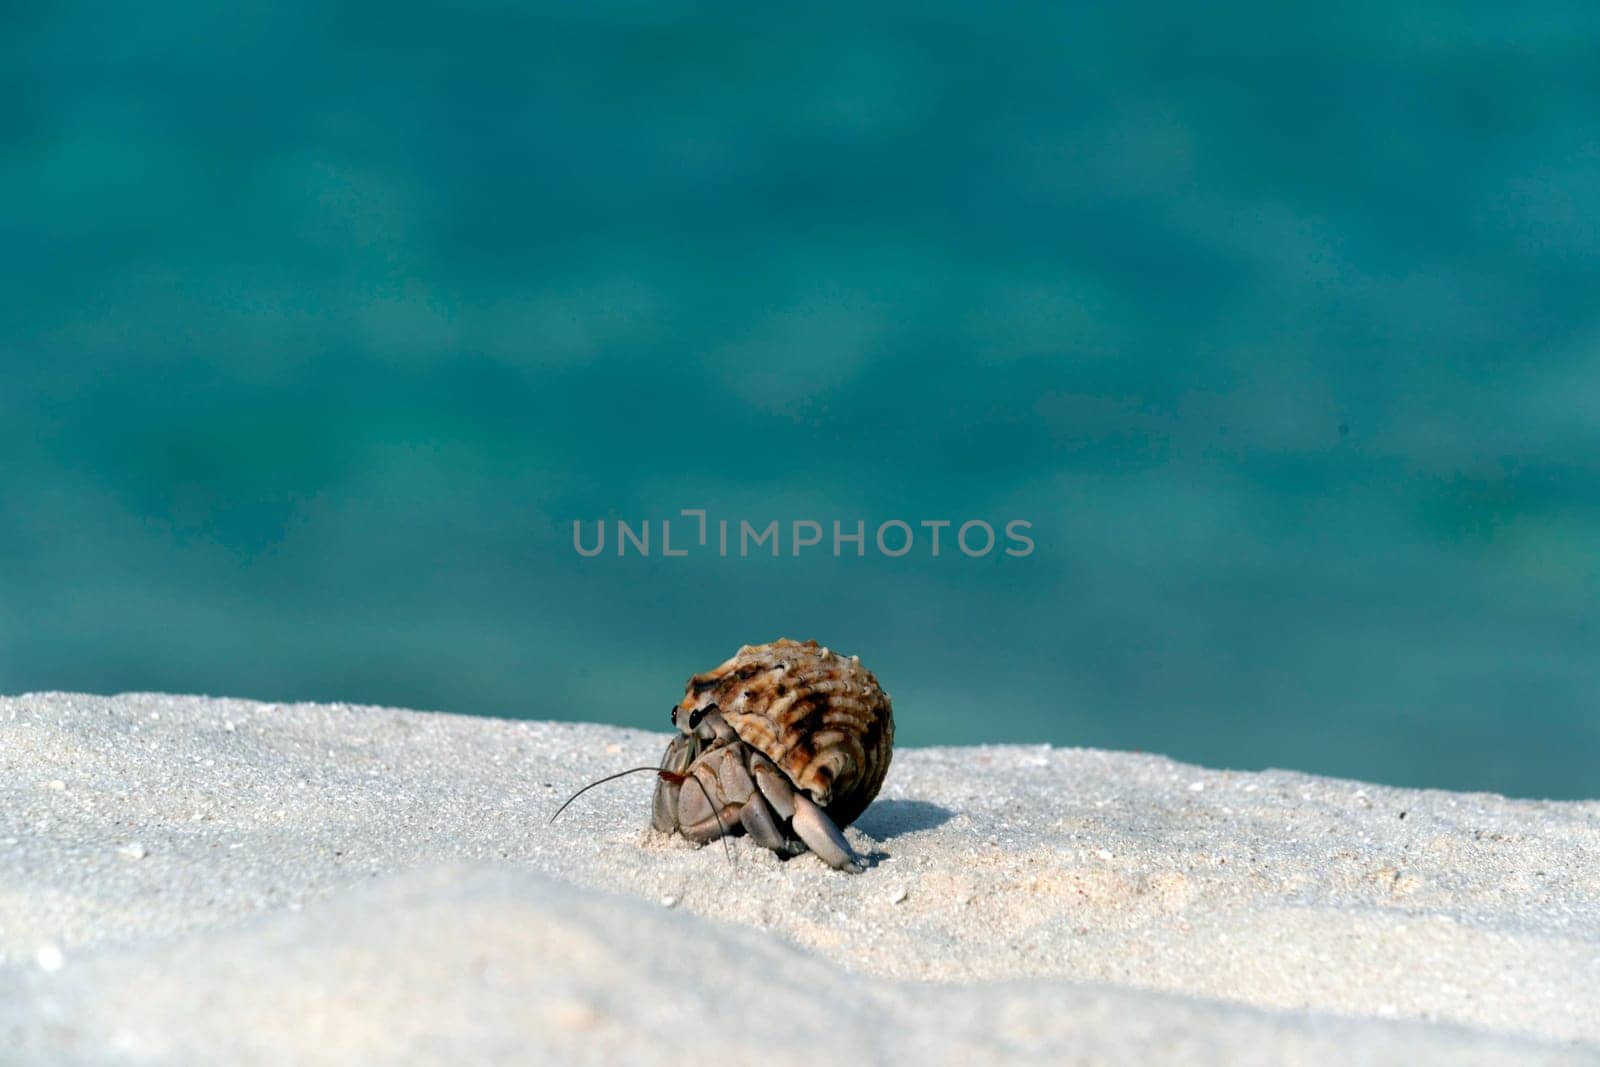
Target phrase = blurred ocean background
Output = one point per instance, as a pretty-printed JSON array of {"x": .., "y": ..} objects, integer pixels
[{"x": 320, "y": 323}]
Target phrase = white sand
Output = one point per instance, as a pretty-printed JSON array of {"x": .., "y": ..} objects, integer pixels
[{"x": 194, "y": 880}]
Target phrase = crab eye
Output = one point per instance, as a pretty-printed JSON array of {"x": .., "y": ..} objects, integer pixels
[{"x": 695, "y": 717}]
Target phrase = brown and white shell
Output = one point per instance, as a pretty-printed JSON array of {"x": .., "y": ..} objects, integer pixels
[{"x": 821, "y": 717}]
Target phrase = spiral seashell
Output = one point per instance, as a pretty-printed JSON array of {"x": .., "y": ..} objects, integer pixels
[{"x": 820, "y": 717}]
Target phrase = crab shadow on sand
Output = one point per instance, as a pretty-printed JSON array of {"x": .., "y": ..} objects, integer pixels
[{"x": 888, "y": 819}]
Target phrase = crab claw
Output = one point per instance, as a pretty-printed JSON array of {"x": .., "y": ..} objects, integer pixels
[{"x": 679, "y": 755}]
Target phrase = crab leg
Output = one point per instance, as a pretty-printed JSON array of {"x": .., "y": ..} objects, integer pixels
[
  {"x": 774, "y": 785},
  {"x": 757, "y": 819},
  {"x": 822, "y": 836}
]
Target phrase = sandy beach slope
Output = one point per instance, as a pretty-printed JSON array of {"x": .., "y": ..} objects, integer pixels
[{"x": 186, "y": 879}]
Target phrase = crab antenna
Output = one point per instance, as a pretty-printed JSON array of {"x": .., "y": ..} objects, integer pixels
[
  {"x": 722, "y": 830},
  {"x": 603, "y": 781}
]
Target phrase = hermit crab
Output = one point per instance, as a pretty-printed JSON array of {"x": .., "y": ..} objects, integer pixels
[{"x": 786, "y": 741}]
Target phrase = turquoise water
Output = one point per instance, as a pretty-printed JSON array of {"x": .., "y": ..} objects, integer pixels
[{"x": 322, "y": 323}]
